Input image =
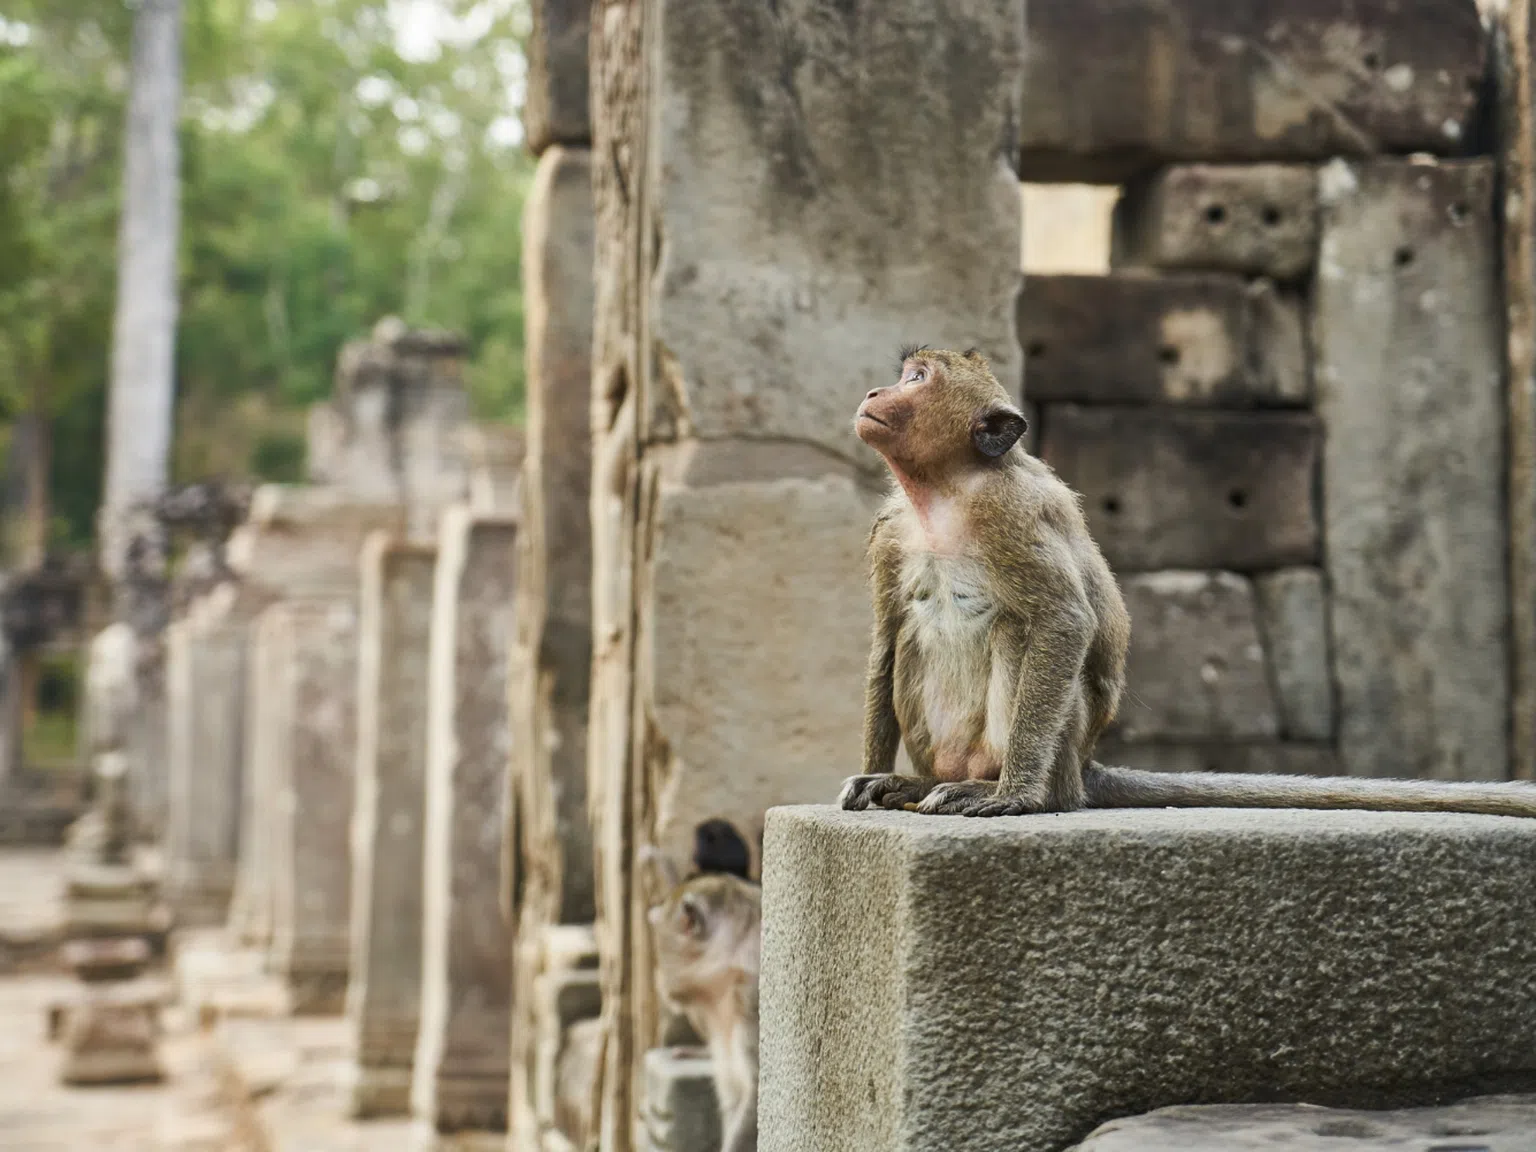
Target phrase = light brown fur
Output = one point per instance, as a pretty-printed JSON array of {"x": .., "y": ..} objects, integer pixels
[
  {"x": 708, "y": 936},
  {"x": 998, "y": 655}
]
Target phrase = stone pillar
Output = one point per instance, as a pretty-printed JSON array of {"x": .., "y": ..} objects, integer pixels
[
  {"x": 311, "y": 763},
  {"x": 205, "y": 680},
  {"x": 298, "y": 543},
  {"x": 384, "y": 992},
  {"x": 495, "y": 453},
  {"x": 760, "y": 257},
  {"x": 553, "y": 655},
  {"x": 1409, "y": 342},
  {"x": 460, "y": 1079}
]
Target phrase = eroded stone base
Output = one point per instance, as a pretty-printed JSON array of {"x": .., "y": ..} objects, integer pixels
[
  {"x": 109, "y": 1038},
  {"x": 378, "y": 1092}
]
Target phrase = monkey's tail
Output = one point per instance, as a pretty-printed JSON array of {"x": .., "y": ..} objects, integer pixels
[{"x": 1137, "y": 788}]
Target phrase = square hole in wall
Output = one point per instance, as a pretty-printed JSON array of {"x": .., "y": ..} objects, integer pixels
[{"x": 1067, "y": 227}]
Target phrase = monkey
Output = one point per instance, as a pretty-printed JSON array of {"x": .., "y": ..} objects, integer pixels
[
  {"x": 718, "y": 847},
  {"x": 708, "y": 933},
  {"x": 998, "y": 648}
]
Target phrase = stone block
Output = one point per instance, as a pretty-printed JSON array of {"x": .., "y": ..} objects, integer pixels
[
  {"x": 681, "y": 1113},
  {"x": 206, "y": 697},
  {"x": 787, "y": 270},
  {"x": 110, "y": 1037},
  {"x": 556, "y": 108},
  {"x": 1208, "y": 80},
  {"x": 1253, "y": 219},
  {"x": 495, "y": 453},
  {"x": 1129, "y": 338},
  {"x": 1123, "y": 961},
  {"x": 1407, "y": 329},
  {"x": 312, "y": 764},
  {"x": 1293, "y": 619},
  {"x": 266, "y": 709},
  {"x": 1187, "y": 489},
  {"x": 384, "y": 991},
  {"x": 1482, "y": 1124},
  {"x": 1285, "y": 757},
  {"x": 575, "y": 1080},
  {"x": 461, "y": 1064},
  {"x": 1195, "y": 670},
  {"x": 304, "y": 541}
]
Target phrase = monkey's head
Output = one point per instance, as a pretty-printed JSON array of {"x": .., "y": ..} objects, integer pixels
[
  {"x": 946, "y": 414},
  {"x": 706, "y": 927},
  {"x": 718, "y": 847}
]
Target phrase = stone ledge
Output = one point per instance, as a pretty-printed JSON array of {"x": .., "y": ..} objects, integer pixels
[{"x": 943, "y": 983}]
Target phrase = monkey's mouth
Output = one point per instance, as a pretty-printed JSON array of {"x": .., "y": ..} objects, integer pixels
[{"x": 873, "y": 419}]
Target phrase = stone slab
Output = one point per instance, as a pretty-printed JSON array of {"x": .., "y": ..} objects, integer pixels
[
  {"x": 1124, "y": 961},
  {"x": 1407, "y": 330},
  {"x": 206, "y": 695},
  {"x": 1132, "y": 338},
  {"x": 1482, "y": 1124},
  {"x": 1293, "y": 618},
  {"x": 313, "y": 766},
  {"x": 787, "y": 269},
  {"x": 301, "y": 540},
  {"x": 1196, "y": 668},
  {"x": 556, "y": 108},
  {"x": 461, "y": 1062},
  {"x": 1115, "y": 87},
  {"x": 680, "y": 1109},
  {"x": 1252, "y": 219},
  {"x": 384, "y": 989},
  {"x": 1190, "y": 489}
]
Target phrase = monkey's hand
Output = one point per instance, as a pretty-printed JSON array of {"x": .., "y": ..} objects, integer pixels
[
  {"x": 977, "y": 798},
  {"x": 885, "y": 790}
]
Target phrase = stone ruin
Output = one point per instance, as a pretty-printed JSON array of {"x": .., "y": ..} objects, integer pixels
[{"x": 426, "y": 708}]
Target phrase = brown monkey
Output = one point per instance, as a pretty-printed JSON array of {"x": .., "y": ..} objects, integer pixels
[
  {"x": 1000, "y": 634},
  {"x": 708, "y": 934}
]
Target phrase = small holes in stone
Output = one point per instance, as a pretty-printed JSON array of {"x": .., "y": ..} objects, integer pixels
[
  {"x": 1237, "y": 498},
  {"x": 1270, "y": 215},
  {"x": 1168, "y": 355},
  {"x": 1371, "y": 61},
  {"x": 1111, "y": 505},
  {"x": 1403, "y": 256},
  {"x": 1035, "y": 350},
  {"x": 1458, "y": 213},
  {"x": 1215, "y": 214}
]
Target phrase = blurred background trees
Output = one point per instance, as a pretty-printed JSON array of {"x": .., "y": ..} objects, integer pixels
[{"x": 341, "y": 160}]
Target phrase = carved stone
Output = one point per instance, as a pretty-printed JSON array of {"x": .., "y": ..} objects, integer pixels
[
  {"x": 1186, "y": 489},
  {"x": 681, "y": 1113},
  {"x": 556, "y": 111}
]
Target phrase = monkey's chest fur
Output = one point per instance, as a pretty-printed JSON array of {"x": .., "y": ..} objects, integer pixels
[{"x": 951, "y": 680}]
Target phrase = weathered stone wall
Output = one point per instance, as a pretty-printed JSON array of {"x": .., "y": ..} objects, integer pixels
[
  {"x": 1011, "y": 984},
  {"x": 461, "y": 1068},
  {"x": 384, "y": 988},
  {"x": 552, "y": 872},
  {"x": 767, "y": 238}
]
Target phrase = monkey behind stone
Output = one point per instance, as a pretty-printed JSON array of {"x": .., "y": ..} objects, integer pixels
[
  {"x": 718, "y": 847},
  {"x": 708, "y": 932}
]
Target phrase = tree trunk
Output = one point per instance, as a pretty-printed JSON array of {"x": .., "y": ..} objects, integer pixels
[{"x": 140, "y": 412}]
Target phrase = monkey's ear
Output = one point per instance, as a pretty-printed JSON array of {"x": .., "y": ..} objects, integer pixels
[
  {"x": 998, "y": 431},
  {"x": 693, "y": 915}
]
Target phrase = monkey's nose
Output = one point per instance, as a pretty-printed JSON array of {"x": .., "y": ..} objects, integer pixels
[{"x": 872, "y": 393}]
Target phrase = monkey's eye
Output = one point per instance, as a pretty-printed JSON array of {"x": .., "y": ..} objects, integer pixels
[{"x": 919, "y": 375}]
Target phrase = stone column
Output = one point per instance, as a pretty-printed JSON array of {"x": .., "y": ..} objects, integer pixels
[
  {"x": 1409, "y": 342},
  {"x": 384, "y": 991},
  {"x": 205, "y": 679},
  {"x": 554, "y": 603},
  {"x": 761, "y": 255},
  {"x": 460, "y": 1079},
  {"x": 311, "y": 769}
]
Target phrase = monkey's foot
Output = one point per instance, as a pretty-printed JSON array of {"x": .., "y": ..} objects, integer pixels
[
  {"x": 885, "y": 790},
  {"x": 976, "y": 798}
]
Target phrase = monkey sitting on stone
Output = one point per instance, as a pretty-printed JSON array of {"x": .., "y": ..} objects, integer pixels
[
  {"x": 708, "y": 932},
  {"x": 1000, "y": 635}
]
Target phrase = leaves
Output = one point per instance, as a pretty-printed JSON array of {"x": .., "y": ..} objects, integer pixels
[{"x": 342, "y": 160}]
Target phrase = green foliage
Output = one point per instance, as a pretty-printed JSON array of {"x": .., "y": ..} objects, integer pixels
[{"x": 336, "y": 168}]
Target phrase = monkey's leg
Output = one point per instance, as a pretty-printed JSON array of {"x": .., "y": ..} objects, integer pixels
[
  {"x": 883, "y": 790},
  {"x": 1042, "y": 768},
  {"x": 741, "y": 1127}
]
